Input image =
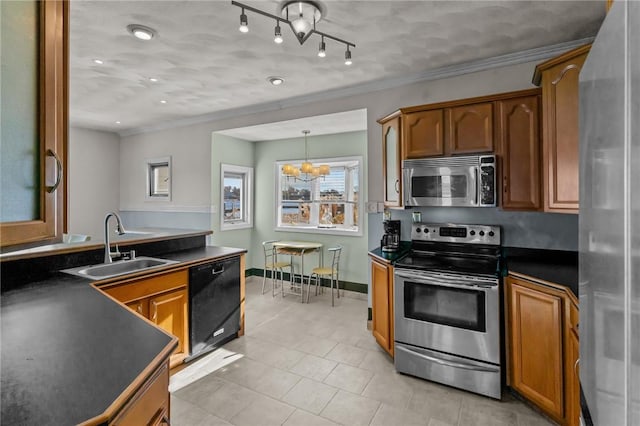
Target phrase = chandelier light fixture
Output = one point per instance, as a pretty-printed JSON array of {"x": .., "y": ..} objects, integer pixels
[
  {"x": 302, "y": 17},
  {"x": 307, "y": 168}
]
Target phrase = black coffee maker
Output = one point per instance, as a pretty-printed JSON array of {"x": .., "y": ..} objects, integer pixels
[{"x": 391, "y": 238}]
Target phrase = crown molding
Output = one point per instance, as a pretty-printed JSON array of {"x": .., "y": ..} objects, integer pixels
[{"x": 530, "y": 55}]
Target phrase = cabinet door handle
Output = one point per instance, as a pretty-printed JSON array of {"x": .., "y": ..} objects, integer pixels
[
  {"x": 504, "y": 180},
  {"x": 155, "y": 311},
  {"x": 397, "y": 186},
  {"x": 50, "y": 189},
  {"x": 139, "y": 309},
  {"x": 575, "y": 366},
  {"x": 165, "y": 420}
]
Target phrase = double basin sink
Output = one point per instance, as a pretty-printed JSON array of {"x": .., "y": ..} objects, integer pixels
[{"x": 122, "y": 267}]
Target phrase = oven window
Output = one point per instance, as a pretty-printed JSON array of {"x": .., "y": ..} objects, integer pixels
[
  {"x": 454, "y": 307},
  {"x": 454, "y": 186}
]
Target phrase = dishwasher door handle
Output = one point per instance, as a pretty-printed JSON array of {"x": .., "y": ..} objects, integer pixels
[{"x": 214, "y": 272}]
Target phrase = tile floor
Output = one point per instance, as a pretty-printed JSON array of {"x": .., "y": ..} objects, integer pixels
[{"x": 311, "y": 364}]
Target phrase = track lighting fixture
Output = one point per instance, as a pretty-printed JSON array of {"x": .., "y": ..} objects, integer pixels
[
  {"x": 278, "y": 33},
  {"x": 321, "y": 50},
  {"x": 347, "y": 57},
  {"x": 302, "y": 17},
  {"x": 244, "y": 23}
]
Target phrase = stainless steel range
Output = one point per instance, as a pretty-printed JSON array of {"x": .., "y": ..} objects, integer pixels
[{"x": 447, "y": 307}]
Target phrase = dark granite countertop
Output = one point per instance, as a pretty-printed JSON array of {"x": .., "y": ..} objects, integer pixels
[
  {"x": 391, "y": 257},
  {"x": 556, "y": 266},
  {"x": 68, "y": 351}
]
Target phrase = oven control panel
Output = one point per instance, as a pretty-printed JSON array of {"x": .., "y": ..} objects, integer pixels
[{"x": 450, "y": 233}]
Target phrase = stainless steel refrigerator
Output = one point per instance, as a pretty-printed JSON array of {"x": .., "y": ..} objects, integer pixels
[{"x": 610, "y": 220}]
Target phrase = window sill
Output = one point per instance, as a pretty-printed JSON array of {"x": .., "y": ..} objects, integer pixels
[
  {"x": 235, "y": 226},
  {"x": 320, "y": 230}
]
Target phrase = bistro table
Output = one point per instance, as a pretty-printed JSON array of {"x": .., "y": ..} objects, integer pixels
[{"x": 300, "y": 248}]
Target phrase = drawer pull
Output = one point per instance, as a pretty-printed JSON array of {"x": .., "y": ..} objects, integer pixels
[{"x": 575, "y": 366}]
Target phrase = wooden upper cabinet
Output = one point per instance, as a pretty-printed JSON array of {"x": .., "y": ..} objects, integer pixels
[
  {"x": 560, "y": 136},
  {"x": 536, "y": 345},
  {"x": 34, "y": 135},
  {"x": 519, "y": 145},
  {"x": 470, "y": 128},
  {"x": 423, "y": 134},
  {"x": 391, "y": 159}
]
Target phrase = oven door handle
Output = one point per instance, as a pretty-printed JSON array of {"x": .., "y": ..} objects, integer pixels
[
  {"x": 436, "y": 281},
  {"x": 447, "y": 362}
]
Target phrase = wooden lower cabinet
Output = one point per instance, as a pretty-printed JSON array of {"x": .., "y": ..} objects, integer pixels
[
  {"x": 541, "y": 354},
  {"x": 572, "y": 364},
  {"x": 382, "y": 304},
  {"x": 150, "y": 405},
  {"x": 169, "y": 312},
  {"x": 162, "y": 299}
]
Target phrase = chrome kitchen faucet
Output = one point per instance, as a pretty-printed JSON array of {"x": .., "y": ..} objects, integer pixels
[{"x": 119, "y": 229}]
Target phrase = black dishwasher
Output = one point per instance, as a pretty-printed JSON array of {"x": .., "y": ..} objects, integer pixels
[{"x": 214, "y": 296}]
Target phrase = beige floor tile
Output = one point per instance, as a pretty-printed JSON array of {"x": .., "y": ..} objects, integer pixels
[
  {"x": 316, "y": 345},
  {"x": 388, "y": 415},
  {"x": 349, "y": 409},
  {"x": 184, "y": 413},
  {"x": 436, "y": 422},
  {"x": 198, "y": 392},
  {"x": 263, "y": 411},
  {"x": 245, "y": 372},
  {"x": 274, "y": 354},
  {"x": 314, "y": 367},
  {"x": 378, "y": 361},
  {"x": 535, "y": 420},
  {"x": 392, "y": 389},
  {"x": 369, "y": 343},
  {"x": 302, "y": 418},
  {"x": 436, "y": 403},
  {"x": 481, "y": 411},
  {"x": 227, "y": 401},
  {"x": 351, "y": 379},
  {"x": 276, "y": 383},
  {"x": 310, "y": 395},
  {"x": 347, "y": 354}
]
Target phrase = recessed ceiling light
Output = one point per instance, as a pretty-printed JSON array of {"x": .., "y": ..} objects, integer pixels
[
  {"x": 117, "y": 122},
  {"x": 276, "y": 81},
  {"x": 153, "y": 80},
  {"x": 141, "y": 32},
  {"x": 163, "y": 101},
  {"x": 98, "y": 61}
]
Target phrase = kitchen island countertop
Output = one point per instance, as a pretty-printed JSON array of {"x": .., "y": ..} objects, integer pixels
[{"x": 69, "y": 351}]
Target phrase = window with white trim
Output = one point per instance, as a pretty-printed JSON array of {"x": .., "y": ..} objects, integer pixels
[
  {"x": 235, "y": 197},
  {"x": 327, "y": 204}
]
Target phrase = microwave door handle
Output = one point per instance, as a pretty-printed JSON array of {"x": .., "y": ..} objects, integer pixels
[{"x": 475, "y": 184}]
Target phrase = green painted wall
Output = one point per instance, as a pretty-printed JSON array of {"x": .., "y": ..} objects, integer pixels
[
  {"x": 354, "y": 263},
  {"x": 228, "y": 150}
]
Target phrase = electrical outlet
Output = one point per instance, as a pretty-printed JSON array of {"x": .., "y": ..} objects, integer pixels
[{"x": 372, "y": 207}]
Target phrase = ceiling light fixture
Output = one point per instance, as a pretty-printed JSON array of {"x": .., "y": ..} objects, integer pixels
[
  {"x": 141, "y": 32},
  {"x": 276, "y": 81},
  {"x": 153, "y": 79},
  {"x": 117, "y": 122},
  {"x": 278, "y": 33},
  {"x": 302, "y": 17},
  {"x": 307, "y": 168},
  {"x": 347, "y": 57},
  {"x": 163, "y": 101},
  {"x": 98, "y": 61},
  {"x": 244, "y": 23}
]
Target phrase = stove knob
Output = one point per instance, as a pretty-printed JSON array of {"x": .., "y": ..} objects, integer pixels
[
  {"x": 491, "y": 233},
  {"x": 482, "y": 233},
  {"x": 418, "y": 230},
  {"x": 426, "y": 230},
  {"x": 472, "y": 232}
]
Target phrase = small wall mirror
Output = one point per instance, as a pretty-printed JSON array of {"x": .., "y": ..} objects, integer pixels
[{"x": 159, "y": 179}]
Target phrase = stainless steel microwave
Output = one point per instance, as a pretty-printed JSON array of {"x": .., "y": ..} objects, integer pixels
[{"x": 467, "y": 181}]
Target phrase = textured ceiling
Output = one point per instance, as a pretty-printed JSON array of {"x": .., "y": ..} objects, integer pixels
[{"x": 205, "y": 65}]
